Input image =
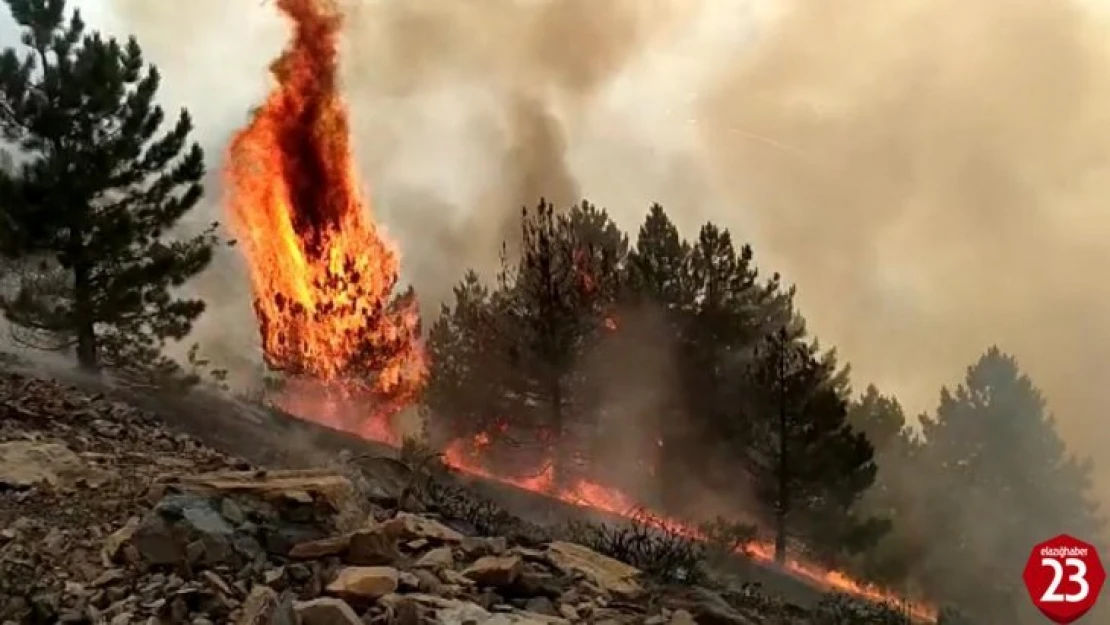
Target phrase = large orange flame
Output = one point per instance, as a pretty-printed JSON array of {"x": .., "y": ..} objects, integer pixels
[
  {"x": 323, "y": 277},
  {"x": 322, "y": 273}
]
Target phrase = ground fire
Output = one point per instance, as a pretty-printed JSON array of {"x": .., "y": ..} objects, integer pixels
[{"x": 323, "y": 277}]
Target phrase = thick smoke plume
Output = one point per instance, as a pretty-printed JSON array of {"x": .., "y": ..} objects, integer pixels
[{"x": 931, "y": 173}]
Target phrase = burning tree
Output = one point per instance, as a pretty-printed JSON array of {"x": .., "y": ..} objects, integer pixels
[
  {"x": 100, "y": 183},
  {"x": 521, "y": 344},
  {"x": 323, "y": 274}
]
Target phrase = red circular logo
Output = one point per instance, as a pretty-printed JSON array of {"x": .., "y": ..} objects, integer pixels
[{"x": 1064, "y": 577}]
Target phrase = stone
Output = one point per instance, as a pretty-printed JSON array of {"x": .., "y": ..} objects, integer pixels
[
  {"x": 302, "y": 486},
  {"x": 364, "y": 582},
  {"x": 26, "y": 464},
  {"x": 612, "y": 575},
  {"x": 183, "y": 528},
  {"x": 115, "y": 542},
  {"x": 372, "y": 548},
  {"x": 326, "y": 611},
  {"x": 496, "y": 571},
  {"x": 313, "y": 549},
  {"x": 406, "y": 611},
  {"x": 682, "y": 617},
  {"x": 477, "y": 546},
  {"x": 259, "y": 607},
  {"x": 232, "y": 511},
  {"x": 428, "y": 582},
  {"x": 408, "y": 526},
  {"x": 438, "y": 558},
  {"x": 541, "y": 605},
  {"x": 707, "y": 607}
]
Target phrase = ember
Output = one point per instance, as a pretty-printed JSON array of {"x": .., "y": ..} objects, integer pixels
[{"x": 323, "y": 277}]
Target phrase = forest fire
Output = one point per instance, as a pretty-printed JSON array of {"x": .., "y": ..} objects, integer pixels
[
  {"x": 322, "y": 273},
  {"x": 323, "y": 277}
]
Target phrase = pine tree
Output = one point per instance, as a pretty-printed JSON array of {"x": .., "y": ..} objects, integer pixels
[
  {"x": 465, "y": 394},
  {"x": 98, "y": 187},
  {"x": 656, "y": 311},
  {"x": 506, "y": 363},
  {"x": 1004, "y": 480},
  {"x": 808, "y": 465},
  {"x": 732, "y": 310},
  {"x": 555, "y": 308},
  {"x": 893, "y": 495},
  {"x": 658, "y": 268}
]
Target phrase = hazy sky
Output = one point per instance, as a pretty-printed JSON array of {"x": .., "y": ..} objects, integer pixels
[{"x": 931, "y": 173}]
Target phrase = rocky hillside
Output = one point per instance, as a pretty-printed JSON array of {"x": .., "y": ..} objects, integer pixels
[{"x": 109, "y": 514}]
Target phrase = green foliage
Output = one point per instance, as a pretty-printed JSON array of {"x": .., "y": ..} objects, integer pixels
[
  {"x": 993, "y": 442},
  {"x": 504, "y": 361},
  {"x": 898, "y": 457},
  {"x": 759, "y": 413},
  {"x": 809, "y": 466},
  {"x": 99, "y": 185}
]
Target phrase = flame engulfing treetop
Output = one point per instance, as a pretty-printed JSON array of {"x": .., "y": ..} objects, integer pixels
[{"x": 322, "y": 273}]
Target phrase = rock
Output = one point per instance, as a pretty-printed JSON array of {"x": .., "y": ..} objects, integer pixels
[
  {"x": 406, "y": 611},
  {"x": 531, "y": 583},
  {"x": 184, "y": 528},
  {"x": 428, "y": 582},
  {"x": 707, "y": 607},
  {"x": 462, "y": 614},
  {"x": 682, "y": 617},
  {"x": 231, "y": 511},
  {"x": 117, "y": 540},
  {"x": 611, "y": 575},
  {"x": 313, "y": 549},
  {"x": 25, "y": 464},
  {"x": 326, "y": 611},
  {"x": 496, "y": 571},
  {"x": 372, "y": 548},
  {"x": 407, "y": 526},
  {"x": 568, "y": 612},
  {"x": 477, "y": 546},
  {"x": 364, "y": 582},
  {"x": 541, "y": 605},
  {"x": 438, "y": 558},
  {"x": 300, "y": 486},
  {"x": 259, "y": 607}
]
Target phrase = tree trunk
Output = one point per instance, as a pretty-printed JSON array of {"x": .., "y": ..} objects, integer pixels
[
  {"x": 560, "y": 470},
  {"x": 784, "y": 466},
  {"x": 87, "y": 356}
]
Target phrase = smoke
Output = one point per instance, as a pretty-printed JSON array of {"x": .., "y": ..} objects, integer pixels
[
  {"x": 930, "y": 173},
  {"x": 944, "y": 189}
]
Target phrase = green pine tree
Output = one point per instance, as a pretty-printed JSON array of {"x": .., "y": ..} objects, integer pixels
[
  {"x": 465, "y": 394},
  {"x": 99, "y": 185},
  {"x": 893, "y": 561},
  {"x": 1003, "y": 481},
  {"x": 809, "y": 466},
  {"x": 732, "y": 310},
  {"x": 658, "y": 267}
]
